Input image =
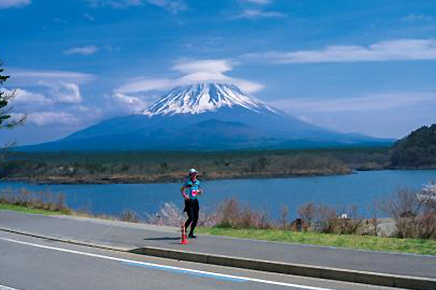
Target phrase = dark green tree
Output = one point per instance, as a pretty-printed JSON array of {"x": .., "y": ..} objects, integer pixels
[
  {"x": 5, "y": 118},
  {"x": 417, "y": 150}
]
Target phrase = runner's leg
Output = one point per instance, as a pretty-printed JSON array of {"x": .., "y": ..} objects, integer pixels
[
  {"x": 195, "y": 210},
  {"x": 190, "y": 212}
]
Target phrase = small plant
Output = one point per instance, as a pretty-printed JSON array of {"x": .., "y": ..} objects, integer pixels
[
  {"x": 414, "y": 216},
  {"x": 230, "y": 214},
  {"x": 43, "y": 200},
  {"x": 284, "y": 216},
  {"x": 307, "y": 213},
  {"x": 130, "y": 216}
]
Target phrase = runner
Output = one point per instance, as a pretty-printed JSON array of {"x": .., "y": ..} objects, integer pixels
[{"x": 190, "y": 190}]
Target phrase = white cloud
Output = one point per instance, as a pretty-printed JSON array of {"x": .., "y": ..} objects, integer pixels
[
  {"x": 34, "y": 78},
  {"x": 173, "y": 6},
  {"x": 374, "y": 102},
  {"x": 53, "y": 87},
  {"x": 145, "y": 84},
  {"x": 115, "y": 3},
  {"x": 83, "y": 50},
  {"x": 259, "y": 2},
  {"x": 51, "y": 98},
  {"x": 209, "y": 65},
  {"x": 415, "y": 17},
  {"x": 391, "y": 50},
  {"x": 51, "y": 118},
  {"x": 63, "y": 92},
  {"x": 128, "y": 104},
  {"x": 24, "y": 97},
  {"x": 57, "y": 93},
  {"x": 194, "y": 71},
  {"x": 258, "y": 13},
  {"x": 89, "y": 17},
  {"x": 13, "y": 3}
]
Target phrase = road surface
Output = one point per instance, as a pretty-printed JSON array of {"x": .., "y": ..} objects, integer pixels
[{"x": 35, "y": 264}]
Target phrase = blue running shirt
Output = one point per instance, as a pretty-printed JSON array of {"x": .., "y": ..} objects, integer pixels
[{"x": 192, "y": 188}]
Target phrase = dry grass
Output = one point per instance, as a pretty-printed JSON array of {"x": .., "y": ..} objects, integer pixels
[
  {"x": 414, "y": 217},
  {"x": 42, "y": 200}
]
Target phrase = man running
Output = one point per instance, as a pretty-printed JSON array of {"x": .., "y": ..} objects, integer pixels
[{"x": 190, "y": 190}]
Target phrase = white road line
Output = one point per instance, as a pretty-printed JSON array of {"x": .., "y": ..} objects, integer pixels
[
  {"x": 164, "y": 267},
  {"x": 6, "y": 288}
]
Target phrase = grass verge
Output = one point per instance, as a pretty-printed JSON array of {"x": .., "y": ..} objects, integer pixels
[
  {"x": 24, "y": 209},
  {"x": 414, "y": 246}
]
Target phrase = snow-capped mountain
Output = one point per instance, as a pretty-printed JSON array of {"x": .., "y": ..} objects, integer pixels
[
  {"x": 205, "y": 116},
  {"x": 200, "y": 98}
]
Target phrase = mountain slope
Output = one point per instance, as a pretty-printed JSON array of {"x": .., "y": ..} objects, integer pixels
[
  {"x": 417, "y": 150},
  {"x": 206, "y": 116},
  {"x": 200, "y": 98}
]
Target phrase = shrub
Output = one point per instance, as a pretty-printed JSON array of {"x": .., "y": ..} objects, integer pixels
[
  {"x": 414, "y": 217},
  {"x": 307, "y": 213},
  {"x": 325, "y": 219},
  {"x": 44, "y": 200},
  {"x": 171, "y": 215},
  {"x": 130, "y": 216},
  {"x": 231, "y": 214}
]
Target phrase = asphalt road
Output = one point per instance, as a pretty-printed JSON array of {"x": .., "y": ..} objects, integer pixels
[
  {"x": 132, "y": 236},
  {"x": 32, "y": 264}
]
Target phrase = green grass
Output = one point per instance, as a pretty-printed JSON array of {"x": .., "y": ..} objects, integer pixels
[
  {"x": 24, "y": 209},
  {"x": 415, "y": 246}
]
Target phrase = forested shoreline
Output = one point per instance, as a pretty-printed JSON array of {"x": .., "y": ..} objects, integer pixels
[{"x": 152, "y": 167}]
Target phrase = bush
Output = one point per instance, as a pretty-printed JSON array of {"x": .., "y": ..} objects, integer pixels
[
  {"x": 414, "y": 216},
  {"x": 129, "y": 216},
  {"x": 325, "y": 219},
  {"x": 44, "y": 200},
  {"x": 233, "y": 215}
]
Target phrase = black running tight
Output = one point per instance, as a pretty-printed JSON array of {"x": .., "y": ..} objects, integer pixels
[{"x": 192, "y": 208}]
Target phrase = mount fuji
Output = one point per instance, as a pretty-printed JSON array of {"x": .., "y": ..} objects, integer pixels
[{"x": 205, "y": 116}]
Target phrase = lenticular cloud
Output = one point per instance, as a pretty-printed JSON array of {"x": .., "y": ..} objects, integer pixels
[{"x": 194, "y": 72}]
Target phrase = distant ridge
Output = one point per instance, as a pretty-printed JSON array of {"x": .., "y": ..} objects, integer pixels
[{"x": 206, "y": 116}]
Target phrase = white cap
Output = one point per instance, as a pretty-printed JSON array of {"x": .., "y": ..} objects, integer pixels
[{"x": 192, "y": 170}]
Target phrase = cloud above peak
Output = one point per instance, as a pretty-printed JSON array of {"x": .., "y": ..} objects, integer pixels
[
  {"x": 193, "y": 72},
  {"x": 208, "y": 65}
]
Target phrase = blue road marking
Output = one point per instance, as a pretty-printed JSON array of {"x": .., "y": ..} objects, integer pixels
[{"x": 187, "y": 272}]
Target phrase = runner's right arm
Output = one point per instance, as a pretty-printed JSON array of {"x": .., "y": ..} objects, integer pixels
[{"x": 182, "y": 190}]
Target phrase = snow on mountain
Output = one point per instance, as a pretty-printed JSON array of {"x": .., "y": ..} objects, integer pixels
[
  {"x": 200, "y": 98},
  {"x": 205, "y": 116}
]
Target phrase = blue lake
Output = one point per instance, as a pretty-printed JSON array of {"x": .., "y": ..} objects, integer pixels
[{"x": 269, "y": 194}]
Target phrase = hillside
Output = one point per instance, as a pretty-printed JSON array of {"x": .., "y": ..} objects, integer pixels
[
  {"x": 206, "y": 117},
  {"x": 417, "y": 150}
]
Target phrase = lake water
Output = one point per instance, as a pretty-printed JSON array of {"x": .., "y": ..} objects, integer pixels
[{"x": 267, "y": 194}]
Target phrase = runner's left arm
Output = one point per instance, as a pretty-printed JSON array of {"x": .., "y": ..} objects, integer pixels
[{"x": 200, "y": 190}]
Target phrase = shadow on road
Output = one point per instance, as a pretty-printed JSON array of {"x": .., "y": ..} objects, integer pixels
[{"x": 163, "y": 239}]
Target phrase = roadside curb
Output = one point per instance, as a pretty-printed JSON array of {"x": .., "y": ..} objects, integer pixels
[
  {"x": 70, "y": 241},
  {"x": 363, "y": 277}
]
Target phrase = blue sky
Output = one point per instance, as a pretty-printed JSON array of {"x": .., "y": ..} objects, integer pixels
[{"x": 364, "y": 66}]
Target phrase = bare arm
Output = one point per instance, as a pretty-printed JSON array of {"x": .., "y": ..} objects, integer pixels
[{"x": 182, "y": 190}]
